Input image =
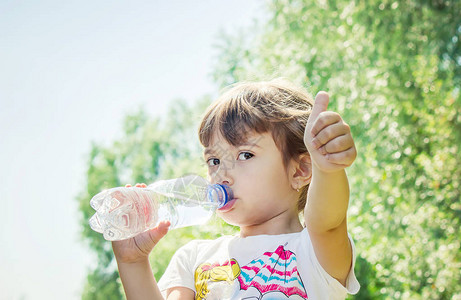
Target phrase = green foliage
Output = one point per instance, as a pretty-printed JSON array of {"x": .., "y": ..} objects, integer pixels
[
  {"x": 393, "y": 71},
  {"x": 102, "y": 285},
  {"x": 147, "y": 150}
]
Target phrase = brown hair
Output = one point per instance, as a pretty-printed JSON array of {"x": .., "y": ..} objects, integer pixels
[{"x": 275, "y": 106}]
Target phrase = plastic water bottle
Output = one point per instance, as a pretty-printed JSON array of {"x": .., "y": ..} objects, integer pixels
[{"x": 124, "y": 212}]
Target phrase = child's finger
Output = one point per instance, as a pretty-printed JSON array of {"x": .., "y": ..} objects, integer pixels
[
  {"x": 329, "y": 133},
  {"x": 158, "y": 232},
  {"x": 343, "y": 158},
  {"x": 324, "y": 120},
  {"x": 320, "y": 105},
  {"x": 338, "y": 144}
]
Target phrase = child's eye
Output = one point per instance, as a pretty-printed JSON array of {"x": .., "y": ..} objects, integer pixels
[
  {"x": 245, "y": 156},
  {"x": 213, "y": 162}
]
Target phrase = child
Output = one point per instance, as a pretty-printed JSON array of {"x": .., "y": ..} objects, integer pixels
[{"x": 275, "y": 150}]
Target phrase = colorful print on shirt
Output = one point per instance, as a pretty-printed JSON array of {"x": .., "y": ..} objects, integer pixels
[
  {"x": 207, "y": 273},
  {"x": 272, "y": 275}
]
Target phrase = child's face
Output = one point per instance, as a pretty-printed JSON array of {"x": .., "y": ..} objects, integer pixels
[{"x": 256, "y": 174}]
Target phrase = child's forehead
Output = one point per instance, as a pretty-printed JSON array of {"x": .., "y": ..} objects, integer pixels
[{"x": 251, "y": 139}]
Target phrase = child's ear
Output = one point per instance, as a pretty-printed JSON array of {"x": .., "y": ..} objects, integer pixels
[{"x": 302, "y": 171}]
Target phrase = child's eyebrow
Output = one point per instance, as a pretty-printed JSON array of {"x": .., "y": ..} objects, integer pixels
[
  {"x": 251, "y": 145},
  {"x": 212, "y": 150},
  {"x": 207, "y": 151}
]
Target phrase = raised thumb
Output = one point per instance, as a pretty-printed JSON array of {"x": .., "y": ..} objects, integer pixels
[{"x": 320, "y": 105}]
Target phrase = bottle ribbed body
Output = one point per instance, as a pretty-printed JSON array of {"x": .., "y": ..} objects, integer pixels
[{"x": 124, "y": 212}]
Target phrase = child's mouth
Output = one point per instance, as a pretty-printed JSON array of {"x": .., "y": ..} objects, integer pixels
[{"x": 228, "y": 206}]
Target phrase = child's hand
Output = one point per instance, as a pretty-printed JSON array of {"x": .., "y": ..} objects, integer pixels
[
  {"x": 138, "y": 248},
  {"x": 328, "y": 138}
]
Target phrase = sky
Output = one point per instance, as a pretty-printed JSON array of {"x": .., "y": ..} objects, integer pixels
[{"x": 69, "y": 72}]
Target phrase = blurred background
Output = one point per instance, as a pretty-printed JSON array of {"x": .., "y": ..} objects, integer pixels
[
  {"x": 70, "y": 71},
  {"x": 100, "y": 94}
]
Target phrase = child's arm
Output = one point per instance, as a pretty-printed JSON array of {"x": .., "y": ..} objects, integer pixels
[
  {"x": 132, "y": 257},
  {"x": 332, "y": 149},
  {"x": 138, "y": 280},
  {"x": 139, "y": 283}
]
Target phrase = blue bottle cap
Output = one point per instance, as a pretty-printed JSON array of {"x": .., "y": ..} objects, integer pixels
[{"x": 219, "y": 194}]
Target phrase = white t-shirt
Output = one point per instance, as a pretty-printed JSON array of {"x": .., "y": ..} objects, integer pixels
[{"x": 256, "y": 267}]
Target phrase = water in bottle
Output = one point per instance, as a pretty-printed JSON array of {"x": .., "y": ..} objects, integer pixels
[{"x": 124, "y": 212}]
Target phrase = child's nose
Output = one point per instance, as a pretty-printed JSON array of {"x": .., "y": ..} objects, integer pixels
[
  {"x": 223, "y": 176},
  {"x": 225, "y": 182}
]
